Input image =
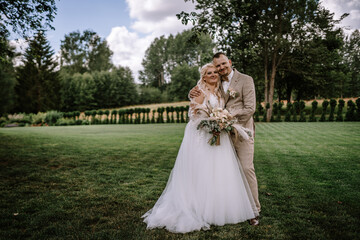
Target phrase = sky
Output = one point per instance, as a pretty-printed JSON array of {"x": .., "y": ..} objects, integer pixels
[{"x": 129, "y": 26}]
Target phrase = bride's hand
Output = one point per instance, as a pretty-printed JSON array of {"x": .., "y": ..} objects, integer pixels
[{"x": 195, "y": 92}]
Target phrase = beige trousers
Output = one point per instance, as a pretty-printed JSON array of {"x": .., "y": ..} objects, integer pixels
[{"x": 245, "y": 152}]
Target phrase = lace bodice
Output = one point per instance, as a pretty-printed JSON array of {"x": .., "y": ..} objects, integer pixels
[
  {"x": 214, "y": 101},
  {"x": 197, "y": 110}
]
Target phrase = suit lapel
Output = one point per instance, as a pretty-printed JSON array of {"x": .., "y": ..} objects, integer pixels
[
  {"x": 234, "y": 81},
  {"x": 222, "y": 90}
]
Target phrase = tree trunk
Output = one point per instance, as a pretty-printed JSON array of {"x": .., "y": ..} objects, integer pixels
[
  {"x": 271, "y": 88},
  {"x": 266, "y": 95}
]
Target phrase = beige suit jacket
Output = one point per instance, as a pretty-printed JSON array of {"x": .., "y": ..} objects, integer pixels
[{"x": 243, "y": 106}]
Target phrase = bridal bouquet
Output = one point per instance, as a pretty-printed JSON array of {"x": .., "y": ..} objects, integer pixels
[{"x": 221, "y": 120}]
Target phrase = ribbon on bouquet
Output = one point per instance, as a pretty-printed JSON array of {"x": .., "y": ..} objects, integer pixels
[{"x": 242, "y": 132}]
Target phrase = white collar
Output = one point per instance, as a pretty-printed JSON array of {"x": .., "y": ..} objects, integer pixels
[{"x": 231, "y": 75}]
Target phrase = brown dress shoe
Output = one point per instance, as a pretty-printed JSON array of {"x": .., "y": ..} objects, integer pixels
[{"x": 254, "y": 221}]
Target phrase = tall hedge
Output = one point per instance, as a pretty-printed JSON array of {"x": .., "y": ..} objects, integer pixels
[{"x": 324, "y": 105}]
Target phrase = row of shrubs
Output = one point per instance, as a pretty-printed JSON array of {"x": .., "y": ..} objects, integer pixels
[
  {"x": 121, "y": 116},
  {"x": 294, "y": 112}
]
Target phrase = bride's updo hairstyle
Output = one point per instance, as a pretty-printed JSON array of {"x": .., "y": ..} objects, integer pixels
[{"x": 202, "y": 84}]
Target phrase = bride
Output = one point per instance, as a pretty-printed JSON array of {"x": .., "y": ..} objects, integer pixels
[{"x": 206, "y": 186}]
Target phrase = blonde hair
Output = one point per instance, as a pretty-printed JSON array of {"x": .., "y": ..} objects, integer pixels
[{"x": 202, "y": 84}]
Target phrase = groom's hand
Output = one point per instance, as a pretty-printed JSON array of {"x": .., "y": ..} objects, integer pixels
[{"x": 195, "y": 92}]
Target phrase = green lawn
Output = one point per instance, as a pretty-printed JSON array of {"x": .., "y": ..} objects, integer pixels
[{"x": 95, "y": 182}]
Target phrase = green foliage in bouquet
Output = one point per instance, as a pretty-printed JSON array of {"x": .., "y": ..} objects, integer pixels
[
  {"x": 213, "y": 128},
  {"x": 324, "y": 105}
]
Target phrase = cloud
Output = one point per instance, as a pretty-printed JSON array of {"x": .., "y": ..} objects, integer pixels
[
  {"x": 158, "y": 16},
  {"x": 151, "y": 19},
  {"x": 339, "y": 7},
  {"x": 129, "y": 49},
  {"x": 20, "y": 46}
]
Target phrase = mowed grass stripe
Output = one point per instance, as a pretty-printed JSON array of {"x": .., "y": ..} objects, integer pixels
[
  {"x": 302, "y": 165},
  {"x": 94, "y": 182}
]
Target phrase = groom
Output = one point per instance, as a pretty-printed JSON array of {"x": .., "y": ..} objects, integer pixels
[{"x": 241, "y": 104}]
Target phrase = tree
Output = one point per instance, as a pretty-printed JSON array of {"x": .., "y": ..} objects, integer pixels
[
  {"x": 352, "y": 61},
  {"x": 149, "y": 95},
  {"x": 312, "y": 68},
  {"x": 183, "y": 78},
  {"x": 260, "y": 34},
  {"x": 7, "y": 81},
  {"x": 154, "y": 64},
  {"x": 38, "y": 82},
  {"x": 26, "y": 15},
  {"x": 84, "y": 52},
  {"x": 165, "y": 54},
  {"x": 98, "y": 90},
  {"x": 23, "y": 17},
  {"x": 99, "y": 55}
]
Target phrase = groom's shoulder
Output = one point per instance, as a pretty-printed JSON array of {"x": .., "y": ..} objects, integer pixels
[{"x": 242, "y": 75}]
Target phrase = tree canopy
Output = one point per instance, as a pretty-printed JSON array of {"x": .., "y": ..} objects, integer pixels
[
  {"x": 38, "y": 82},
  {"x": 165, "y": 54},
  {"x": 84, "y": 52},
  {"x": 262, "y": 34}
]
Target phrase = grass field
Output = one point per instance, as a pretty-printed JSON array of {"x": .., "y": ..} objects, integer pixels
[{"x": 95, "y": 182}]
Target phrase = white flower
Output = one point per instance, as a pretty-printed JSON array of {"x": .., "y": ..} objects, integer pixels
[{"x": 232, "y": 93}]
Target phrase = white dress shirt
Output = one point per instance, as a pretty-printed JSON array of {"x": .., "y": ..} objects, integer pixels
[{"x": 226, "y": 84}]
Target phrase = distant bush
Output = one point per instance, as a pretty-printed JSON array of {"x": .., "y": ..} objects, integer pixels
[
  {"x": 52, "y": 117},
  {"x": 289, "y": 108},
  {"x": 332, "y": 109},
  {"x": 65, "y": 122},
  {"x": 301, "y": 111},
  {"x": 314, "y": 105},
  {"x": 350, "y": 113},
  {"x": 325, "y": 104},
  {"x": 38, "y": 118},
  {"x": 278, "y": 117}
]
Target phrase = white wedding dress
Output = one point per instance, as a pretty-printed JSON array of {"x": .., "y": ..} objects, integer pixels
[{"x": 206, "y": 186}]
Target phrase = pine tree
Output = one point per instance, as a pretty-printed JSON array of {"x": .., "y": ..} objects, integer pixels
[{"x": 38, "y": 82}]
